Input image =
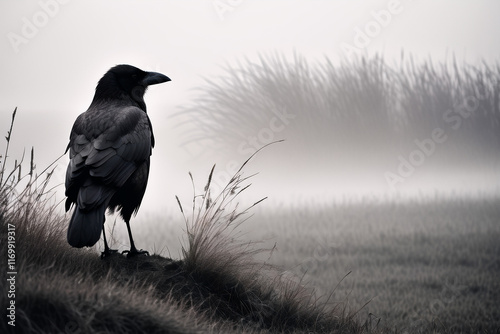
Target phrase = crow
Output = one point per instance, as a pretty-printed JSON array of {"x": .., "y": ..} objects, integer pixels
[{"x": 110, "y": 147}]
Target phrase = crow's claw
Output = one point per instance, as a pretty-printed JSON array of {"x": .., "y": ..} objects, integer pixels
[{"x": 135, "y": 252}]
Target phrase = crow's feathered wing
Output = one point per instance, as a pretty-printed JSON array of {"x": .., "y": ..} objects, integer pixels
[{"x": 110, "y": 147}]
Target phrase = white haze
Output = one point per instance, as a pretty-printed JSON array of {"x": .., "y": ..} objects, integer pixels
[{"x": 51, "y": 78}]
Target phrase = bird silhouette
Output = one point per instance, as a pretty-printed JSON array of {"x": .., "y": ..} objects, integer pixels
[{"x": 110, "y": 147}]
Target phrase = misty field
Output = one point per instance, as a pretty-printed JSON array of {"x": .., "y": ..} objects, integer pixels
[
  {"x": 357, "y": 266},
  {"x": 394, "y": 263},
  {"x": 428, "y": 261}
]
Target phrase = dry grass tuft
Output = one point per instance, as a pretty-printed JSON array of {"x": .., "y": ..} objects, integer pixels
[
  {"x": 265, "y": 297},
  {"x": 212, "y": 229}
]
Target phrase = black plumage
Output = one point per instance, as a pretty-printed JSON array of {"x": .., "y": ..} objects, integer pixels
[{"x": 110, "y": 148}]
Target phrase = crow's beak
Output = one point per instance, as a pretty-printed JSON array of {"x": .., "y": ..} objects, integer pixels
[{"x": 153, "y": 78}]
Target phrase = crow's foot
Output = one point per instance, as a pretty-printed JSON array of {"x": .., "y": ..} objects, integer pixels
[{"x": 134, "y": 252}]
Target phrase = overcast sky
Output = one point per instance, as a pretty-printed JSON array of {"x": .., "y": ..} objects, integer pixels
[{"x": 54, "y": 52}]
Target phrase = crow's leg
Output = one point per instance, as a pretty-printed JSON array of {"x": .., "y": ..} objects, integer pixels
[
  {"x": 133, "y": 251},
  {"x": 107, "y": 251}
]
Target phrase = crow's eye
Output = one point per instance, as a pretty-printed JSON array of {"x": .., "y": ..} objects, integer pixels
[{"x": 134, "y": 76}]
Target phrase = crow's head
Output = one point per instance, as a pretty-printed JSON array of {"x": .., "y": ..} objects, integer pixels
[{"x": 126, "y": 82}]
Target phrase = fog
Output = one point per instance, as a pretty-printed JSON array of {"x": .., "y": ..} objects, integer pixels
[{"x": 54, "y": 52}]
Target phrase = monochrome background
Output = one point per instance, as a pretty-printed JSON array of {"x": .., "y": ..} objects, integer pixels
[{"x": 54, "y": 52}]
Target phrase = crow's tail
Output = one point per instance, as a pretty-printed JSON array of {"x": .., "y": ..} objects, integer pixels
[{"x": 85, "y": 226}]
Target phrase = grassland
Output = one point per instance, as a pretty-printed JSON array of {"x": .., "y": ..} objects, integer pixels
[
  {"x": 360, "y": 266},
  {"x": 417, "y": 265},
  {"x": 427, "y": 264}
]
